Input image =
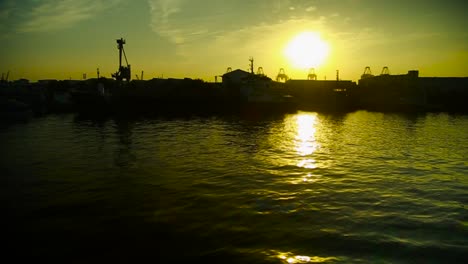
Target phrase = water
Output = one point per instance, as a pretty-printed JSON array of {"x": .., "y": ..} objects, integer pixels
[{"x": 306, "y": 187}]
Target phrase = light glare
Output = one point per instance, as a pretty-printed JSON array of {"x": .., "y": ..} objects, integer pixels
[{"x": 307, "y": 50}]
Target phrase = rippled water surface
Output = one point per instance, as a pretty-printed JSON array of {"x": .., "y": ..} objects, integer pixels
[{"x": 307, "y": 187}]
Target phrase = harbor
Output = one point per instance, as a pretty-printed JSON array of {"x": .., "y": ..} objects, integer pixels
[
  {"x": 239, "y": 90},
  {"x": 266, "y": 132}
]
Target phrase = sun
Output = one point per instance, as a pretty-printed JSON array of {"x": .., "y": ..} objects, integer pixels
[{"x": 306, "y": 50}]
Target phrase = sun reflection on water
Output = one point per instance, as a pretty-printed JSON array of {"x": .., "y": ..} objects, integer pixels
[
  {"x": 305, "y": 140},
  {"x": 289, "y": 257},
  {"x": 295, "y": 145}
]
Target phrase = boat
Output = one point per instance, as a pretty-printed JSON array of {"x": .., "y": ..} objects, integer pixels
[{"x": 263, "y": 93}]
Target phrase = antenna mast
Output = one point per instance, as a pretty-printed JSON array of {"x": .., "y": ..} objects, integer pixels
[{"x": 251, "y": 59}]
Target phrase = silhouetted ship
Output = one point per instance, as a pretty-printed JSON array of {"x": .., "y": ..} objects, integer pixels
[{"x": 256, "y": 90}]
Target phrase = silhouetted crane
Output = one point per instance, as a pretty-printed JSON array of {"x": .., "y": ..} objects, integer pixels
[
  {"x": 385, "y": 71},
  {"x": 139, "y": 78},
  {"x": 367, "y": 73},
  {"x": 282, "y": 76},
  {"x": 260, "y": 71},
  {"x": 312, "y": 75},
  {"x": 124, "y": 72}
]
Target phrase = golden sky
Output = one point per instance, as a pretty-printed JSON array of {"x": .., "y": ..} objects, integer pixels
[{"x": 200, "y": 39}]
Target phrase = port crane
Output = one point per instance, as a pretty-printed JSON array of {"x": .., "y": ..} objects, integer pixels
[
  {"x": 367, "y": 73},
  {"x": 282, "y": 76},
  {"x": 124, "y": 72},
  {"x": 260, "y": 71},
  {"x": 312, "y": 75},
  {"x": 385, "y": 71},
  {"x": 5, "y": 79},
  {"x": 139, "y": 78}
]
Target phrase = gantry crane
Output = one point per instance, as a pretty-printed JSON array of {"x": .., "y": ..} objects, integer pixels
[
  {"x": 367, "y": 73},
  {"x": 282, "y": 76},
  {"x": 312, "y": 75},
  {"x": 385, "y": 71},
  {"x": 260, "y": 71}
]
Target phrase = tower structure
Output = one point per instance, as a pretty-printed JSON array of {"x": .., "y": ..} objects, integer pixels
[{"x": 124, "y": 72}]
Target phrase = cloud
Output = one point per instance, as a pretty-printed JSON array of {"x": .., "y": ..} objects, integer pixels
[
  {"x": 186, "y": 22},
  {"x": 161, "y": 10},
  {"x": 183, "y": 21},
  {"x": 210, "y": 31},
  {"x": 264, "y": 41},
  {"x": 52, "y": 15},
  {"x": 7, "y": 11}
]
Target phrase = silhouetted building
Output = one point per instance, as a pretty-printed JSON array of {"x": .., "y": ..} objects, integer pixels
[
  {"x": 409, "y": 91},
  {"x": 235, "y": 77}
]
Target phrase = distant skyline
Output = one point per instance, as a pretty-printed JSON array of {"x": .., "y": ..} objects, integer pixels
[{"x": 52, "y": 39}]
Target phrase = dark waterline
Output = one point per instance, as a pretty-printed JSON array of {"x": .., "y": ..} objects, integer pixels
[{"x": 302, "y": 187}]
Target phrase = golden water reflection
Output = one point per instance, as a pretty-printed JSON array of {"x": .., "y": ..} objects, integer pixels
[
  {"x": 295, "y": 144},
  {"x": 306, "y": 128},
  {"x": 289, "y": 257},
  {"x": 305, "y": 140}
]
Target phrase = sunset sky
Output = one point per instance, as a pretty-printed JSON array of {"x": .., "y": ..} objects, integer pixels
[{"x": 43, "y": 39}]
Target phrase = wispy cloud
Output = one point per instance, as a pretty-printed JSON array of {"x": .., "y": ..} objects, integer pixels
[
  {"x": 264, "y": 41},
  {"x": 51, "y": 15},
  {"x": 7, "y": 8},
  {"x": 185, "y": 22},
  {"x": 161, "y": 10}
]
